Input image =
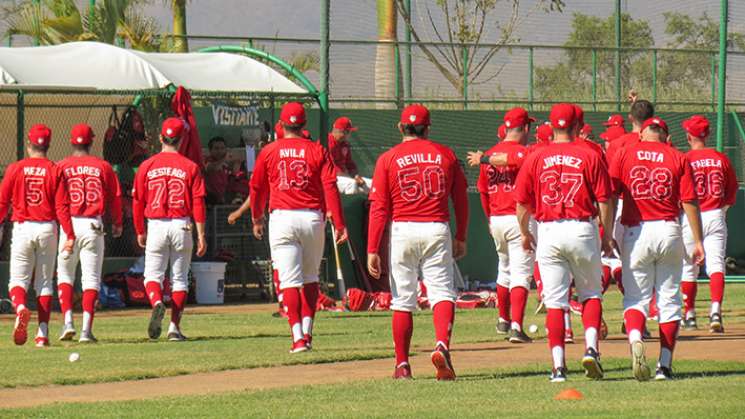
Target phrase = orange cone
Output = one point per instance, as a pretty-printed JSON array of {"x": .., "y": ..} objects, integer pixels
[{"x": 569, "y": 394}]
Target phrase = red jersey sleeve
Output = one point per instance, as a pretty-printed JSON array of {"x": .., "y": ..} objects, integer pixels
[
  {"x": 114, "y": 192},
  {"x": 6, "y": 191},
  {"x": 380, "y": 206},
  {"x": 138, "y": 201},
  {"x": 259, "y": 187},
  {"x": 732, "y": 186},
  {"x": 482, "y": 184},
  {"x": 616, "y": 176},
  {"x": 197, "y": 195},
  {"x": 459, "y": 196},
  {"x": 62, "y": 204},
  {"x": 601, "y": 183},
  {"x": 330, "y": 191},
  {"x": 687, "y": 191},
  {"x": 524, "y": 190}
]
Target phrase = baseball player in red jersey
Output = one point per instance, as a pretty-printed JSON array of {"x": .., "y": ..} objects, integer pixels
[
  {"x": 36, "y": 190},
  {"x": 302, "y": 180},
  {"x": 348, "y": 180},
  {"x": 715, "y": 184},
  {"x": 564, "y": 185},
  {"x": 502, "y": 132},
  {"x": 93, "y": 188},
  {"x": 615, "y": 120},
  {"x": 655, "y": 180},
  {"x": 169, "y": 192},
  {"x": 515, "y": 268},
  {"x": 412, "y": 184}
]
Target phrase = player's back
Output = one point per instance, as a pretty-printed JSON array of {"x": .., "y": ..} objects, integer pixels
[
  {"x": 296, "y": 169},
  {"x": 563, "y": 181},
  {"x": 31, "y": 184},
  {"x": 421, "y": 174},
  {"x": 499, "y": 182},
  {"x": 167, "y": 183},
  {"x": 715, "y": 182},
  {"x": 90, "y": 181},
  {"x": 619, "y": 143},
  {"x": 652, "y": 178}
]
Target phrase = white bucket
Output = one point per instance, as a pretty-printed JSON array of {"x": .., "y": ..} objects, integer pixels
[{"x": 209, "y": 278}]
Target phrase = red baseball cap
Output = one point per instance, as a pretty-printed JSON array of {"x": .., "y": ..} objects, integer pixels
[
  {"x": 544, "y": 133},
  {"x": 579, "y": 115},
  {"x": 415, "y": 115},
  {"x": 344, "y": 124},
  {"x": 614, "y": 121},
  {"x": 293, "y": 113},
  {"x": 612, "y": 133},
  {"x": 40, "y": 134},
  {"x": 502, "y": 131},
  {"x": 173, "y": 128},
  {"x": 697, "y": 126},
  {"x": 81, "y": 134},
  {"x": 562, "y": 116},
  {"x": 586, "y": 129},
  {"x": 279, "y": 130},
  {"x": 517, "y": 117},
  {"x": 655, "y": 121}
]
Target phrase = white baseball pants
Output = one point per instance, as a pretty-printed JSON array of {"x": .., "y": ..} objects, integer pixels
[
  {"x": 714, "y": 226},
  {"x": 426, "y": 248},
  {"x": 33, "y": 250},
  {"x": 169, "y": 242},
  {"x": 566, "y": 250},
  {"x": 296, "y": 240},
  {"x": 348, "y": 186},
  {"x": 515, "y": 268},
  {"x": 652, "y": 260},
  {"x": 88, "y": 250}
]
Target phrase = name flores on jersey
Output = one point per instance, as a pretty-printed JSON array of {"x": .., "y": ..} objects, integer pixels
[
  {"x": 418, "y": 158},
  {"x": 82, "y": 170}
]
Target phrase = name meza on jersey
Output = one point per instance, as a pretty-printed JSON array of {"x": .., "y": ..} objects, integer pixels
[
  {"x": 34, "y": 171},
  {"x": 410, "y": 159}
]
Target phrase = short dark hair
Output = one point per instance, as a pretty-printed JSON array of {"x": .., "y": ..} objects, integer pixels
[
  {"x": 39, "y": 148},
  {"x": 172, "y": 141},
  {"x": 295, "y": 129},
  {"x": 82, "y": 147},
  {"x": 641, "y": 110},
  {"x": 215, "y": 140},
  {"x": 414, "y": 130},
  {"x": 657, "y": 130}
]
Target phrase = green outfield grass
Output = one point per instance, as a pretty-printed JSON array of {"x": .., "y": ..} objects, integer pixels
[
  {"x": 523, "y": 392},
  {"x": 231, "y": 341}
]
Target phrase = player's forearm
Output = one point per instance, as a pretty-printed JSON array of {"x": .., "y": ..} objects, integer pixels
[
  {"x": 376, "y": 227},
  {"x": 201, "y": 230},
  {"x": 694, "y": 220},
  {"x": 606, "y": 217},
  {"x": 200, "y": 210},
  {"x": 245, "y": 206},
  {"x": 138, "y": 216},
  {"x": 116, "y": 211},
  {"x": 523, "y": 218},
  {"x": 498, "y": 159},
  {"x": 485, "y": 205},
  {"x": 333, "y": 204}
]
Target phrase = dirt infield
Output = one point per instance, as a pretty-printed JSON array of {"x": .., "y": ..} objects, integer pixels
[{"x": 467, "y": 359}]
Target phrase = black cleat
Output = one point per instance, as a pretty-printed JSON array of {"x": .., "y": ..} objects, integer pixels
[
  {"x": 503, "y": 327},
  {"x": 154, "y": 328},
  {"x": 558, "y": 375},
  {"x": 715, "y": 323},
  {"x": 518, "y": 336},
  {"x": 591, "y": 364},
  {"x": 690, "y": 324},
  {"x": 663, "y": 374}
]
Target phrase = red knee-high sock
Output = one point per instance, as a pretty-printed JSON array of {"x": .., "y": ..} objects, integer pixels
[
  {"x": 18, "y": 297},
  {"x": 635, "y": 321},
  {"x": 653, "y": 311},
  {"x": 154, "y": 292},
  {"x": 89, "y": 308},
  {"x": 443, "y": 316},
  {"x": 592, "y": 313},
  {"x": 668, "y": 336},
  {"x": 605, "y": 278},
  {"x": 716, "y": 287},
  {"x": 618, "y": 277},
  {"x": 503, "y": 302},
  {"x": 538, "y": 280},
  {"x": 403, "y": 327},
  {"x": 64, "y": 291},
  {"x": 178, "y": 303},
  {"x": 44, "y": 308},
  {"x": 555, "y": 326},
  {"x": 518, "y": 299},
  {"x": 292, "y": 302},
  {"x": 309, "y": 298},
  {"x": 689, "y": 290}
]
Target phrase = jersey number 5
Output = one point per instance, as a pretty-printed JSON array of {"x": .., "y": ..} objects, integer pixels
[
  {"x": 33, "y": 188},
  {"x": 430, "y": 185}
]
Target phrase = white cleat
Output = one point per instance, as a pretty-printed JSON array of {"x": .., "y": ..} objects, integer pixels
[
  {"x": 639, "y": 362},
  {"x": 68, "y": 332}
]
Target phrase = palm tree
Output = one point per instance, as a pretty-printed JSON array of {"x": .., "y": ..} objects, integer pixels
[
  {"x": 180, "y": 43},
  {"x": 385, "y": 54}
]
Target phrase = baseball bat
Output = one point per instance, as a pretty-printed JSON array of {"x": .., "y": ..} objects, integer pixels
[
  {"x": 339, "y": 274},
  {"x": 360, "y": 270}
]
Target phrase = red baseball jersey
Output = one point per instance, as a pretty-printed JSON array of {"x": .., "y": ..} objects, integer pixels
[
  {"x": 413, "y": 182},
  {"x": 537, "y": 146},
  {"x": 653, "y": 178},
  {"x": 341, "y": 155},
  {"x": 619, "y": 143},
  {"x": 36, "y": 190},
  {"x": 300, "y": 175},
  {"x": 497, "y": 183},
  {"x": 714, "y": 179},
  {"x": 92, "y": 186},
  {"x": 591, "y": 145},
  {"x": 168, "y": 185},
  {"x": 563, "y": 182}
]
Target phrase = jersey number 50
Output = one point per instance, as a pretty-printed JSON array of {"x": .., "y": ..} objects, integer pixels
[{"x": 429, "y": 185}]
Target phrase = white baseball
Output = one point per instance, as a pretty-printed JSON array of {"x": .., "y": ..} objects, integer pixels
[
  {"x": 533, "y": 328},
  {"x": 74, "y": 357}
]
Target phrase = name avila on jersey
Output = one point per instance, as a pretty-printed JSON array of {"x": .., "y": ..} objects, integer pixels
[
  {"x": 652, "y": 156},
  {"x": 82, "y": 170},
  {"x": 166, "y": 171},
  {"x": 34, "y": 171},
  {"x": 700, "y": 164},
  {"x": 561, "y": 160},
  {"x": 418, "y": 158},
  {"x": 291, "y": 153}
]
